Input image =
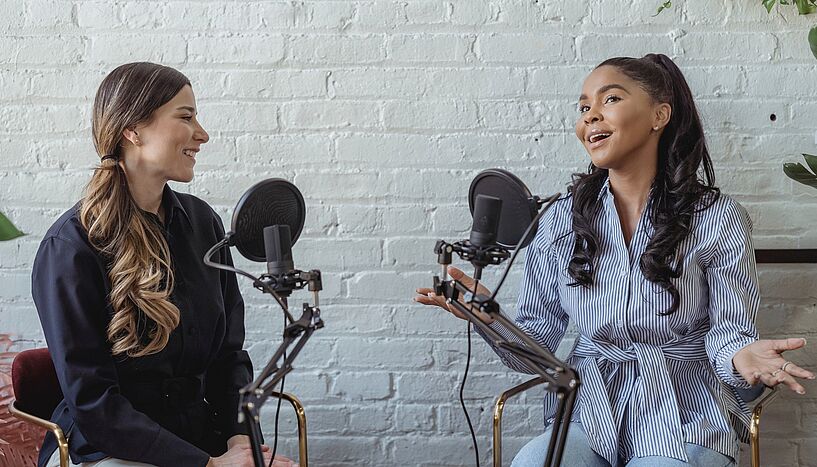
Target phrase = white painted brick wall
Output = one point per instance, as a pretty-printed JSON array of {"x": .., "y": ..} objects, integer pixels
[{"x": 381, "y": 112}]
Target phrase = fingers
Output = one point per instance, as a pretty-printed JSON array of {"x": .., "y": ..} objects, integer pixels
[
  {"x": 787, "y": 379},
  {"x": 428, "y": 298},
  {"x": 281, "y": 461},
  {"x": 458, "y": 275},
  {"x": 797, "y": 372},
  {"x": 792, "y": 343}
]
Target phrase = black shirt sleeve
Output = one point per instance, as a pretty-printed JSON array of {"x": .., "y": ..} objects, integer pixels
[
  {"x": 68, "y": 286},
  {"x": 231, "y": 370}
]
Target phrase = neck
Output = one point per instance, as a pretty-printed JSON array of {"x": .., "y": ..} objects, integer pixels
[
  {"x": 147, "y": 192},
  {"x": 631, "y": 189}
]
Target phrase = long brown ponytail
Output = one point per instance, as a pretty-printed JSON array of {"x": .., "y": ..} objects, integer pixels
[{"x": 138, "y": 255}]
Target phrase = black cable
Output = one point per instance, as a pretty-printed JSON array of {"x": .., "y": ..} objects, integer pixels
[
  {"x": 278, "y": 410},
  {"x": 256, "y": 281},
  {"x": 462, "y": 399},
  {"x": 533, "y": 223}
]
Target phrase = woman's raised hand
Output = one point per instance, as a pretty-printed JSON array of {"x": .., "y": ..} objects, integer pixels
[
  {"x": 426, "y": 296},
  {"x": 762, "y": 361}
]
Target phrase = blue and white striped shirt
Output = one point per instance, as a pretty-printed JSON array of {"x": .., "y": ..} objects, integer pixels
[{"x": 650, "y": 383}]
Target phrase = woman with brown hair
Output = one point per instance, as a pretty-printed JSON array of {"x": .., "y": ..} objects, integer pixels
[{"x": 146, "y": 340}]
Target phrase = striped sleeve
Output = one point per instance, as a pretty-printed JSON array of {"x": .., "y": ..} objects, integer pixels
[
  {"x": 539, "y": 311},
  {"x": 733, "y": 294}
]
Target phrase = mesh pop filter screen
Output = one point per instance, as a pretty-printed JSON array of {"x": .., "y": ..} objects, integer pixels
[
  {"x": 270, "y": 202},
  {"x": 518, "y": 207}
]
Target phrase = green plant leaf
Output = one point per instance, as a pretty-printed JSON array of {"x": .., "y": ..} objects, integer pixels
[
  {"x": 805, "y": 7},
  {"x": 663, "y": 7},
  {"x": 812, "y": 41},
  {"x": 7, "y": 230},
  {"x": 811, "y": 161},
  {"x": 769, "y": 4},
  {"x": 800, "y": 174}
]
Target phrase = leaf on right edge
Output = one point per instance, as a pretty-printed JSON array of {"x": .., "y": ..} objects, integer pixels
[
  {"x": 805, "y": 7},
  {"x": 811, "y": 161},
  {"x": 800, "y": 174},
  {"x": 812, "y": 41}
]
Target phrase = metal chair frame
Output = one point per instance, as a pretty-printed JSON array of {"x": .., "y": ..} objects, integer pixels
[{"x": 62, "y": 439}]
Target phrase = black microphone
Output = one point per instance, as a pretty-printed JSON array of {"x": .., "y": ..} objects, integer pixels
[
  {"x": 278, "y": 249},
  {"x": 487, "y": 210}
]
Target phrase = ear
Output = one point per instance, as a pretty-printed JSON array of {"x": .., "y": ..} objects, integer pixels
[
  {"x": 661, "y": 115},
  {"x": 132, "y": 136}
]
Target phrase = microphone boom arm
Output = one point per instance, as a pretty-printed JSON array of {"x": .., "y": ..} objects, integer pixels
[
  {"x": 254, "y": 395},
  {"x": 559, "y": 377}
]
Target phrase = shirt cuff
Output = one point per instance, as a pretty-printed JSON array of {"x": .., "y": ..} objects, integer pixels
[{"x": 728, "y": 373}]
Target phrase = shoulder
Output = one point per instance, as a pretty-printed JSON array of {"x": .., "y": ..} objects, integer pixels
[
  {"x": 68, "y": 229},
  {"x": 722, "y": 213},
  {"x": 65, "y": 246},
  {"x": 200, "y": 213},
  {"x": 556, "y": 223},
  {"x": 195, "y": 206}
]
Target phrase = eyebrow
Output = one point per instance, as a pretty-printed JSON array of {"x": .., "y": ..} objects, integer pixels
[
  {"x": 188, "y": 108},
  {"x": 606, "y": 88}
]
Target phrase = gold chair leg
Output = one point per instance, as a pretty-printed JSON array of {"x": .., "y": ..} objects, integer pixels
[
  {"x": 303, "y": 455},
  {"x": 499, "y": 406},
  {"x": 62, "y": 441},
  {"x": 754, "y": 427}
]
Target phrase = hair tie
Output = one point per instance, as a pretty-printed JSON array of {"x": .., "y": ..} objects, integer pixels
[{"x": 114, "y": 157}]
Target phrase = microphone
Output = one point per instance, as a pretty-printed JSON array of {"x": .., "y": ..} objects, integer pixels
[
  {"x": 278, "y": 249},
  {"x": 487, "y": 210},
  {"x": 267, "y": 221}
]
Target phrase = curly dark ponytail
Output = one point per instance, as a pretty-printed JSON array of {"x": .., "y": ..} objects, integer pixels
[{"x": 684, "y": 182}]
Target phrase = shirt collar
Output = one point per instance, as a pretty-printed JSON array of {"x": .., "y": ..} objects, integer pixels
[
  {"x": 605, "y": 188},
  {"x": 171, "y": 203}
]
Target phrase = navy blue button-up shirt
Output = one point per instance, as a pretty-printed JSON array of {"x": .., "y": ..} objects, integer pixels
[{"x": 173, "y": 408}]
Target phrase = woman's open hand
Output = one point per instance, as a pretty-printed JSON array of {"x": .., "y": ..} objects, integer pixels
[
  {"x": 762, "y": 361},
  {"x": 426, "y": 296}
]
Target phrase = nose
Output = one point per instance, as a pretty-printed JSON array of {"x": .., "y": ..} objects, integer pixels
[
  {"x": 591, "y": 116},
  {"x": 200, "y": 134}
]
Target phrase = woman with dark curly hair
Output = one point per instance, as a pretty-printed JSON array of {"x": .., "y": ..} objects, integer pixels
[{"x": 656, "y": 268}]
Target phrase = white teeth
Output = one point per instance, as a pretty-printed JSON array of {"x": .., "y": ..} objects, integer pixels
[
  {"x": 598, "y": 136},
  {"x": 189, "y": 153}
]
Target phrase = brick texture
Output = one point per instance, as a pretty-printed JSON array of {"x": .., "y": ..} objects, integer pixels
[{"x": 382, "y": 111}]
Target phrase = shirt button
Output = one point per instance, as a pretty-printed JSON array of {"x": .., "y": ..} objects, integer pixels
[
  {"x": 624, "y": 273},
  {"x": 192, "y": 331}
]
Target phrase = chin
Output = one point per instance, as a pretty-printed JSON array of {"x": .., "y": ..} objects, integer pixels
[{"x": 183, "y": 178}]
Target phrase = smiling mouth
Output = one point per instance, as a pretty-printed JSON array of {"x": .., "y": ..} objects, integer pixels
[
  {"x": 598, "y": 137},
  {"x": 189, "y": 153}
]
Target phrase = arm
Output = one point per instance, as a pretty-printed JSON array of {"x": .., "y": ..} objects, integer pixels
[
  {"x": 539, "y": 311},
  {"x": 231, "y": 370},
  {"x": 68, "y": 286},
  {"x": 733, "y": 294}
]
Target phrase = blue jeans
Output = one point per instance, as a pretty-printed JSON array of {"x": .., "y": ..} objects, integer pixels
[{"x": 577, "y": 453}]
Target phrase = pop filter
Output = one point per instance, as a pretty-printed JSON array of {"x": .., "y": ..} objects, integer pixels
[
  {"x": 519, "y": 207},
  {"x": 274, "y": 201}
]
